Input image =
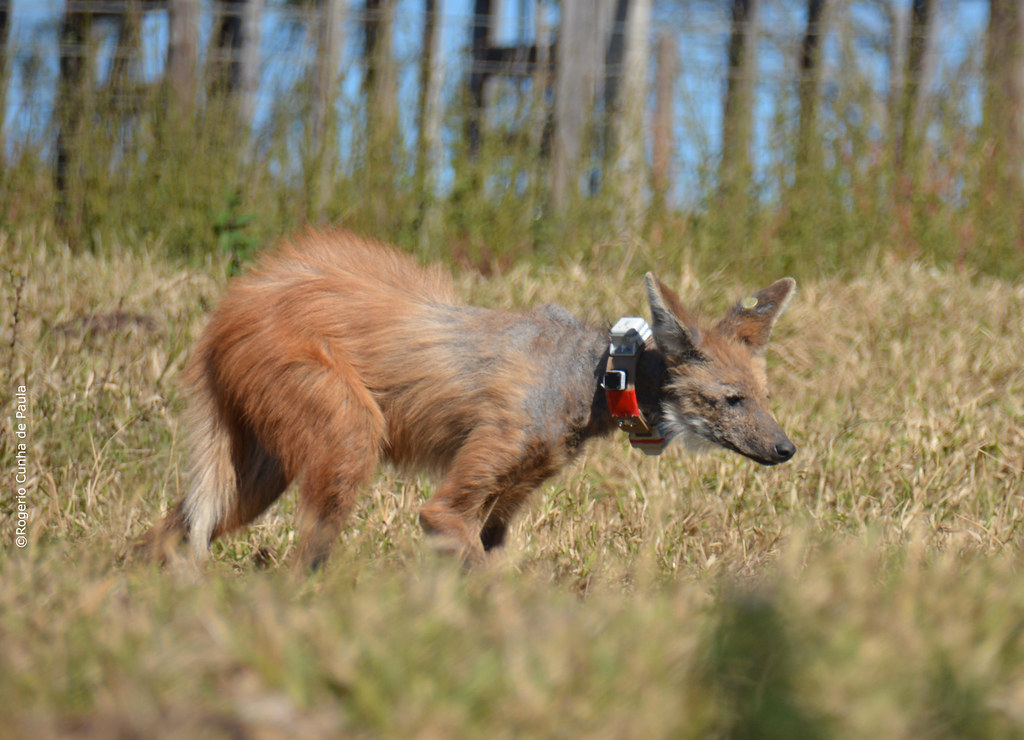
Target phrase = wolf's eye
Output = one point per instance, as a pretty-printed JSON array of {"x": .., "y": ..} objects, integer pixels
[{"x": 735, "y": 400}]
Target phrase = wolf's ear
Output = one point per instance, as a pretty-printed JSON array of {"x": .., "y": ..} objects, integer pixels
[
  {"x": 752, "y": 318},
  {"x": 675, "y": 338}
]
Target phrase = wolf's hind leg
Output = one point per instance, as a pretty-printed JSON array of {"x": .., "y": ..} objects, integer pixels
[{"x": 340, "y": 444}]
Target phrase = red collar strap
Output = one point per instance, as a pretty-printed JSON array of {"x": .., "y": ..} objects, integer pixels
[{"x": 629, "y": 338}]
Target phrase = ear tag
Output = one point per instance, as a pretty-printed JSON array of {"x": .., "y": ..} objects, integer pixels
[{"x": 749, "y": 302}]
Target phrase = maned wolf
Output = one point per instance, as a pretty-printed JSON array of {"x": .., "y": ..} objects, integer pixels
[{"x": 337, "y": 353}]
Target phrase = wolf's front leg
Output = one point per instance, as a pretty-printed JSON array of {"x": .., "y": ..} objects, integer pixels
[{"x": 490, "y": 478}]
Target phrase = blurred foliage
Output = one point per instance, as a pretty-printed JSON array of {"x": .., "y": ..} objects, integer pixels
[{"x": 148, "y": 174}]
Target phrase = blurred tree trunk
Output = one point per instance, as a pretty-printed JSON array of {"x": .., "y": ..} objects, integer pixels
[
  {"x": 808, "y": 137},
  {"x": 539, "y": 133},
  {"x": 611, "y": 80},
  {"x": 540, "y": 83},
  {"x": 183, "y": 51},
  {"x": 380, "y": 78},
  {"x": 897, "y": 25},
  {"x": 539, "y": 109},
  {"x": 1001, "y": 112},
  {"x": 248, "y": 70},
  {"x": 580, "y": 50},
  {"x": 4, "y": 71},
  {"x": 325, "y": 86},
  {"x": 667, "y": 60},
  {"x": 428, "y": 118},
  {"x": 426, "y": 97},
  {"x": 914, "y": 88},
  {"x": 574, "y": 91},
  {"x": 128, "y": 51},
  {"x": 73, "y": 106},
  {"x": 123, "y": 87},
  {"x": 380, "y": 90},
  {"x": 235, "y": 61},
  {"x": 630, "y": 170},
  {"x": 737, "y": 116},
  {"x": 481, "y": 38}
]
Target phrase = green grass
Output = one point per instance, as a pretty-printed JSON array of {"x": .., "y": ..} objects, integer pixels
[{"x": 869, "y": 588}]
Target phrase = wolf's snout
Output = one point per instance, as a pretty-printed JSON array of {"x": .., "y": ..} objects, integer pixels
[{"x": 784, "y": 450}]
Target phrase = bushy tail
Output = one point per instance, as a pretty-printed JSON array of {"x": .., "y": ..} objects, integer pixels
[
  {"x": 213, "y": 484},
  {"x": 212, "y": 489}
]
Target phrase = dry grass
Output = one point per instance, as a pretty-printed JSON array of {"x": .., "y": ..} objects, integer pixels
[{"x": 868, "y": 588}]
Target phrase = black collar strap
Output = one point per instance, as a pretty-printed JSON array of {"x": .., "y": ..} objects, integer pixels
[{"x": 630, "y": 336}]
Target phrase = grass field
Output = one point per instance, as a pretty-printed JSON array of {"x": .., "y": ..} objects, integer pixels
[{"x": 871, "y": 588}]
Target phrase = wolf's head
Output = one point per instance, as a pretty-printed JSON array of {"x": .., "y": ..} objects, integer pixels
[{"x": 716, "y": 392}]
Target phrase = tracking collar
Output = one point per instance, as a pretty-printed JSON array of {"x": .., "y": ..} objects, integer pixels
[{"x": 630, "y": 336}]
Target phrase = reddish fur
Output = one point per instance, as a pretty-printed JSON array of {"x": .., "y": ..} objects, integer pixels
[
  {"x": 337, "y": 353},
  {"x": 330, "y": 357}
]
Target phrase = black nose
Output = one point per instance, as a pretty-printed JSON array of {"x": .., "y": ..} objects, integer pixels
[{"x": 785, "y": 450}]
